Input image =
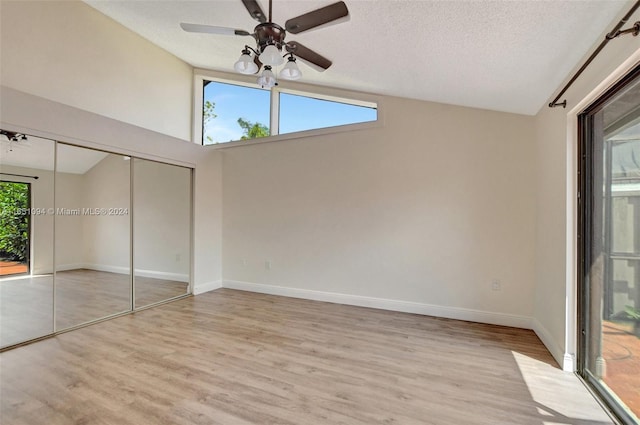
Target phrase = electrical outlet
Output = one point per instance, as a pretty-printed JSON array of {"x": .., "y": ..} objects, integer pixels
[
  {"x": 496, "y": 285},
  {"x": 177, "y": 257},
  {"x": 267, "y": 265},
  {"x": 244, "y": 262}
]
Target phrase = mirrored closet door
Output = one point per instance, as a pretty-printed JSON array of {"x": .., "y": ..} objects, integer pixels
[
  {"x": 162, "y": 229},
  {"x": 86, "y": 235},
  {"x": 26, "y": 237},
  {"x": 93, "y": 235}
]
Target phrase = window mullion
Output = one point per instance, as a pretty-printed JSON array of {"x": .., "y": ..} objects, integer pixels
[{"x": 274, "y": 125}]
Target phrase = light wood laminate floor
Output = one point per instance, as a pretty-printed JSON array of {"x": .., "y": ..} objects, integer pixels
[
  {"x": 231, "y": 357},
  {"x": 26, "y": 303}
]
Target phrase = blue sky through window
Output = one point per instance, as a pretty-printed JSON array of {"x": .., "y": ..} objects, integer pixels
[
  {"x": 297, "y": 113},
  {"x": 233, "y": 102}
]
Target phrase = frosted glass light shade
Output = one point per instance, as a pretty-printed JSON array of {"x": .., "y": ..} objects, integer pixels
[
  {"x": 271, "y": 56},
  {"x": 290, "y": 71},
  {"x": 245, "y": 65},
  {"x": 267, "y": 79}
]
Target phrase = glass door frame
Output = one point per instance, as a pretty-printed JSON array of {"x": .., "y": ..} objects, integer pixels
[
  {"x": 585, "y": 203},
  {"x": 29, "y": 223}
]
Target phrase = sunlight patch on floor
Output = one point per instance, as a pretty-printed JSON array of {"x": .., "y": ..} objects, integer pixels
[{"x": 549, "y": 388}]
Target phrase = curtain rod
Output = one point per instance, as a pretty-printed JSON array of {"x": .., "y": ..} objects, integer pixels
[
  {"x": 20, "y": 175},
  {"x": 615, "y": 32}
]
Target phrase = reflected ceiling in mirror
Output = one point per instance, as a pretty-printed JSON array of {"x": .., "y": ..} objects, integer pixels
[{"x": 34, "y": 152}]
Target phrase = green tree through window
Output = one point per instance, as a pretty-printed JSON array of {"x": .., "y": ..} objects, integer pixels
[
  {"x": 252, "y": 130},
  {"x": 207, "y": 116},
  {"x": 14, "y": 221}
]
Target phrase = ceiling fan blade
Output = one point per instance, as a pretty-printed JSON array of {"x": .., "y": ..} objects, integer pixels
[
  {"x": 316, "y": 18},
  {"x": 314, "y": 59},
  {"x": 255, "y": 10},
  {"x": 211, "y": 29}
]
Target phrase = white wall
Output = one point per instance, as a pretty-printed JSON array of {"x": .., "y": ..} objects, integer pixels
[
  {"x": 68, "y": 52},
  {"x": 208, "y": 221},
  {"x": 556, "y": 142},
  {"x": 428, "y": 209},
  {"x": 106, "y": 238},
  {"x": 69, "y": 237}
]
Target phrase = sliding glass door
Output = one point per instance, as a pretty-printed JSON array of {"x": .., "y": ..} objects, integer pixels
[
  {"x": 609, "y": 278},
  {"x": 15, "y": 227}
]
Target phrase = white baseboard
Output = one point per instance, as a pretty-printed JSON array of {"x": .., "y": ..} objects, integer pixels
[
  {"x": 106, "y": 268},
  {"x": 179, "y": 277},
  {"x": 386, "y": 304},
  {"x": 569, "y": 363},
  {"x": 565, "y": 360},
  {"x": 70, "y": 266},
  {"x": 42, "y": 270},
  {"x": 163, "y": 275},
  {"x": 206, "y": 287}
]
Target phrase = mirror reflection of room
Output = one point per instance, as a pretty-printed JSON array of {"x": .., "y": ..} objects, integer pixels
[
  {"x": 26, "y": 239},
  {"x": 92, "y": 235},
  {"x": 162, "y": 216},
  {"x": 70, "y": 217}
]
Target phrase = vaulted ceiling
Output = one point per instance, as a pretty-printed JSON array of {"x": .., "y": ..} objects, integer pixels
[{"x": 499, "y": 55}]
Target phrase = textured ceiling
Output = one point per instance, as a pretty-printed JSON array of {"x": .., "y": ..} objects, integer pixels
[{"x": 499, "y": 55}]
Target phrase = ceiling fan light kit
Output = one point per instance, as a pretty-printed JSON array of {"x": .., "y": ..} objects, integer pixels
[
  {"x": 290, "y": 70},
  {"x": 271, "y": 56},
  {"x": 269, "y": 38},
  {"x": 245, "y": 65},
  {"x": 267, "y": 79}
]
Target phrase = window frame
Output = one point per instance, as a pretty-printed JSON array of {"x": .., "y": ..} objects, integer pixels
[
  {"x": 199, "y": 105},
  {"x": 298, "y": 89}
]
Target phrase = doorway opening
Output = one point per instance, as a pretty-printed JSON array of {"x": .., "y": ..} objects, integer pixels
[{"x": 15, "y": 228}]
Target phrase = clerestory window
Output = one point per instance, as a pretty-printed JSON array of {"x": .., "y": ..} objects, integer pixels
[{"x": 233, "y": 112}]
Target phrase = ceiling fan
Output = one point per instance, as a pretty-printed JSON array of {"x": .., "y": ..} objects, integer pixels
[{"x": 269, "y": 38}]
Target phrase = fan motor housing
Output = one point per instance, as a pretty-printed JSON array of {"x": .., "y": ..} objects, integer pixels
[{"x": 269, "y": 33}]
